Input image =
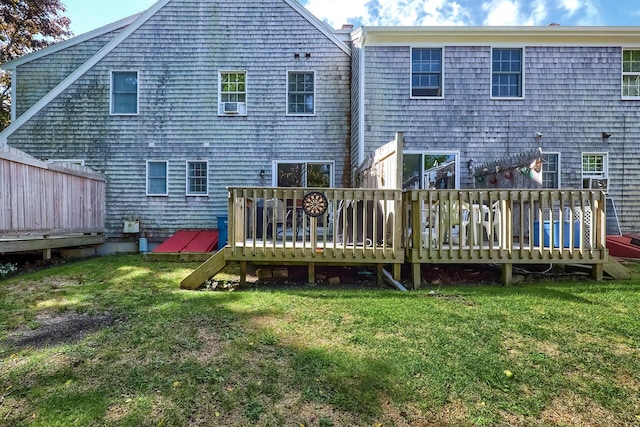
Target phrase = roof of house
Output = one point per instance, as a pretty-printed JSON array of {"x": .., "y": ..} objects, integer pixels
[
  {"x": 513, "y": 35},
  {"x": 128, "y": 25}
]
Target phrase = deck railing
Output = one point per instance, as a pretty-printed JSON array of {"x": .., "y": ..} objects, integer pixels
[
  {"x": 505, "y": 226},
  {"x": 358, "y": 225}
]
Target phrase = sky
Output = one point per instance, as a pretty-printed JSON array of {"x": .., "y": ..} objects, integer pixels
[{"x": 87, "y": 15}]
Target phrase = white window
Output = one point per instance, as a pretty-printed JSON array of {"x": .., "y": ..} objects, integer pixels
[
  {"x": 550, "y": 170},
  {"x": 304, "y": 174},
  {"x": 631, "y": 74},
  {"x": 157, "y": 181},
  {"x": 197, "y": 173},
  {"x": 124, "y": 92},
  {"x": 506, "y": 73},
  {"x": 436, "y": 170},
  {"x": 595, "y": 171},
  {"x": 426, "y": 73},
  {"x": 232, "y": 93},
  {"x": 301, "y": 93}
]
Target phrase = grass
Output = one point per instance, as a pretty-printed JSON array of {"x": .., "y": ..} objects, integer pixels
[{"x": 149, "y": 353}]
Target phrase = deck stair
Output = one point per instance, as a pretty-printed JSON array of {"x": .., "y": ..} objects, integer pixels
[{"x": 205, "y": 271}]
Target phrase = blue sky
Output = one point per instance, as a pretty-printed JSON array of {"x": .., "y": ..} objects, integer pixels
[{"x": 87, "y": 15}]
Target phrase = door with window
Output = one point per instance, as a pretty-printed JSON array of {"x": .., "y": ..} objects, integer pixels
[{"x": 430, "y": 170}]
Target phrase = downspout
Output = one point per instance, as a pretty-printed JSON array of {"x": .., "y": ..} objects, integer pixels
[{"x": 361, "y": 100}]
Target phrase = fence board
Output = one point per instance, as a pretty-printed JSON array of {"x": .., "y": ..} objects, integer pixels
[{"x": 36, "y": 197}]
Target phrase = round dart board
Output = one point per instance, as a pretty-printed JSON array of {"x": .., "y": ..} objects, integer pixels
[{"x": 314, "y": 204}]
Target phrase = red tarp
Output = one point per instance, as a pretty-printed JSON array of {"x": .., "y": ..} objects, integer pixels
[
  {"x": 190, "y": 241},
  {"x": 621, "y": 246}
]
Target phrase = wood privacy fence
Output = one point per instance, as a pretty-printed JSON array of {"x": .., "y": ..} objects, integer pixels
[{"x": 38, "y": 198}]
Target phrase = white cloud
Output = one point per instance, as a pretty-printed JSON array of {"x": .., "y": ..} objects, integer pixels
[
  {"x": 390, "y": 12},
  {"x": 504, "y": 12},
  {"x": 337, "y": 12},
  {"x": 571, "y": 6}
]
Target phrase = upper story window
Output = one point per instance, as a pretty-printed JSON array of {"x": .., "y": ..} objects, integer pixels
[
  {"x": 233, "y": 93},
  {"x": 124, "y": 92},
  {"x": 506, "y": 74},
  {"x": 631, "y": 73},
  {"x": 426, "y": 72},
  {"x": 595, "y": 171},
  {"x": 301, "y": 93},
  {"x": 157, "y": 181},
  {"x": 550, "y": 170},
  {"x": 197, "y": 173}
]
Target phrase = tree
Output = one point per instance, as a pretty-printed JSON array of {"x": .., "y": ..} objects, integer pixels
[{"x": 26, "y": 26}]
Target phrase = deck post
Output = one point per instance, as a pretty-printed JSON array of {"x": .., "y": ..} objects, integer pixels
[
  {"x": 311, "y": 270},
  {"x": 597, "y": 272},
  {"x": 379, "y": 278},
  {"x": 243, "y": 273},
  {"x": 415, "y": 275},
  {"x": 46, "y": 254},
  {"x": 507, "y": 274},
  {"x": 397, "y": 271}
]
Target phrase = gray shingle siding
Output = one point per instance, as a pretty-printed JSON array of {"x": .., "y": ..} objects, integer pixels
[
  {"x": 38, "y": 77},
  {"x": 178, "y": 54},
  {"x": 572, "y": 95}
]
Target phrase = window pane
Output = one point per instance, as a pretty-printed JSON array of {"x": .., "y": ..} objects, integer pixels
[
  {"x": 124, "y": 92},
  {"x": 319, "y": 175},
  {"x": 300, "y": 98},
  {"x": 157, "y": 178},
  {"x": 290, "y": 174},
  {"x": 506, "y": 80},
  {"x": 426, "y": 72},
  {"x": 550, "y": 172},
  {"x": 233, "y": 87},
  {"x": 197, "y": 177}
]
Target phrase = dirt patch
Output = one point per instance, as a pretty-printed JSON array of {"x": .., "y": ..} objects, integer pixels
[
  {"x": 60, "y": 328},
  {"x": 572, "y": 409}
]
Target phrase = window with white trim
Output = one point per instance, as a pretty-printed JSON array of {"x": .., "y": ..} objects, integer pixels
[
  {"x": 304, "y": 174},
  {"x": 506, "y": 73},
  {"x": 124, "y": 92},
  {"x": 157, "y": 178},
  {"x": 232, "y": 93},
  {"x": 435, "y": 170},
  {"x": 301, "y": 93},
  {"x": 197, "y": 173},
  {"x": 426, "y": 72},
  {"x": 631, "y": 74},
  {"x": 595, "y": 170},
  {"x": 550, "y": 170}
]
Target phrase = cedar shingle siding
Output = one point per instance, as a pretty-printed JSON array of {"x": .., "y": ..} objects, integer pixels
[
  {"x": 178, "y": 53},
  {"x": 571, "y": 95}
]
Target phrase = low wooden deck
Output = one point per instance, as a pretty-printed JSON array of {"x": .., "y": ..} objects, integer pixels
[{"x": 391, "y": 227}]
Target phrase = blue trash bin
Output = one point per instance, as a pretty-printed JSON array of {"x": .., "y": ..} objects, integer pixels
[
  {"x": 546, "y": 234},
  {"x": 223, "y": 230}
]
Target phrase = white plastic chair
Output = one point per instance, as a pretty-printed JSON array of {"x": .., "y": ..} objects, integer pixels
[
  {"x": 492, "y": 221},
  {"x": 277, "y": 215}
]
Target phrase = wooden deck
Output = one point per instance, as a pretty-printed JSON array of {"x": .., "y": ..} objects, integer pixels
[{"x": 391, "y": 227}]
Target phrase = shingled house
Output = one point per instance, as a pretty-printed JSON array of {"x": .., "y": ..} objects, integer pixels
[
  {"x": 177, "y": 103},
  {"x": 192, "y": 96},
  {"x": 473, "y": 95}
]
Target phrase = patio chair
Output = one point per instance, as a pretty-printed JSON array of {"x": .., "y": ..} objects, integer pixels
[
  {"x": 450, "y": 215},
  {"x": 492, "y": 221},
  {"x": 278, "y": 216}
]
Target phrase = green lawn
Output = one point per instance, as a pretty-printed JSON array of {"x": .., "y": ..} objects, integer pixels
[{"x": 114, "y": 341}]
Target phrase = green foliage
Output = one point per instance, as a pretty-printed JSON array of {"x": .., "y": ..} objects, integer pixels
[
  {"x": 6, "y": 269},
  {"x": 27, "y": 26}
]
